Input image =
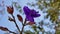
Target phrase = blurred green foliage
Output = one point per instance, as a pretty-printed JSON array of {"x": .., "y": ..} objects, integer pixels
[{"x": 53, "y": 11}]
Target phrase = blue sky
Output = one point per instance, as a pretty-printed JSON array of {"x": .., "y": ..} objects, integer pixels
[{"x": 10, "y": 25}]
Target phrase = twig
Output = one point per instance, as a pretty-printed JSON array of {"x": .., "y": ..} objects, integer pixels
[
  {"x": 12, "y": 32},
  {"x": 16, "y": 23},
  {"x": 23, "y": 26}
]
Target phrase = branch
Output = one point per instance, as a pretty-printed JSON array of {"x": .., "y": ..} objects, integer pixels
[
  {"x": 16, "y": 23},
  {"x": 12, "y": 32},
  {"x": 23, "y": 26}
]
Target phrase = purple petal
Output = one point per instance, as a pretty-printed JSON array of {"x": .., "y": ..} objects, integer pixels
[
  {"x": 29, "y": 18},
  {"x": 34, "y": 13},
  {"x": 26, "y": 10}
]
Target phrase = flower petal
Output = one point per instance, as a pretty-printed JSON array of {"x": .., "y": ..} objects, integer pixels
[
  {"x": 29, "y": 18},
  {"x": 26, "y": 10},
  {"x": 34, "y": 13}
]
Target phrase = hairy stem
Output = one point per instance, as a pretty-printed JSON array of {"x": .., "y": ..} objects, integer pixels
[{"x": 16, "y": 23}]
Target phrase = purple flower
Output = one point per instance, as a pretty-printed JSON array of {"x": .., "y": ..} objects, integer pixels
[{"x": 30, "y": 14}]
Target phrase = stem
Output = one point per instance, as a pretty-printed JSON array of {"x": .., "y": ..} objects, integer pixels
[
  {"x": 12, "y": 32},
  {"x": 16, "y": 23},
  {"x": 23, "y": 26}
]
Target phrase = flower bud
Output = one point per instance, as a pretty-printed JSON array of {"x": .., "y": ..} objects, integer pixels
[
  {"x": 20, "y": 18},
  {"x": 10, "y": 9}
]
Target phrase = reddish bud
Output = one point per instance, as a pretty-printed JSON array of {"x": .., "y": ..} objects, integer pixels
[
  {"x": 20, "y": 18},
  {"x": 31, "y": 23},
  {"x": 10, "y": 9},
  {"x": 3, "y": 28}
]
